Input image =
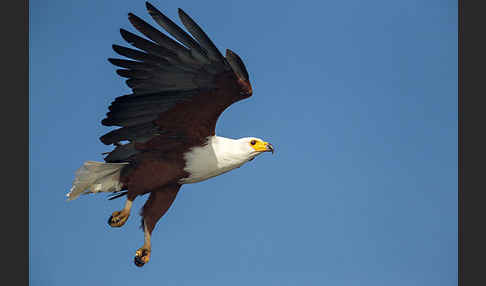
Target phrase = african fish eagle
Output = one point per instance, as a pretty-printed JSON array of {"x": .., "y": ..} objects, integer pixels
[{"x": 179, "y": 89}]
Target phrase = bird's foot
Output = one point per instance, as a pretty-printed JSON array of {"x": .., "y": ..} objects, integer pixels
[
  {"x": 142, "y": 256},
  {"x": 118, "y": 218}
]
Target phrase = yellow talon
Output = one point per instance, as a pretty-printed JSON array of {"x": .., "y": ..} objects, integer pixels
[
  {"x": 142, "y": 256},
  {"x": 118, "y": 218}
]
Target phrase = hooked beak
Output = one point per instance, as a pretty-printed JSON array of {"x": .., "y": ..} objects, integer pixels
[
  {"x": 262, "y": 146},
  {"x": 269, "y": 147}
]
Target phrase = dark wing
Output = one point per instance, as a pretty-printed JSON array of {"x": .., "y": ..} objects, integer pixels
[{"x": 179, "y": 88}]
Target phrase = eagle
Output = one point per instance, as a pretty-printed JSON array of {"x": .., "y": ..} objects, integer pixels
[{"x": 166, "y": 137}]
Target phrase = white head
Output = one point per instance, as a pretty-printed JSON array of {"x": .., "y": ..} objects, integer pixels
[
  {"x": 221, "y": 155},
  {"x": 254, "y": 146}
]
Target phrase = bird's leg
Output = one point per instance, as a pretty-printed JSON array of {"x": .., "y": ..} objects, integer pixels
[
  {"x": 142, "y": 255},
  {"x": 119, "y": 218},
  {"x": 156, "y": 206}
]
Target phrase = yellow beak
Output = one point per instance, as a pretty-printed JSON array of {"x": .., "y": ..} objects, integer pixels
[{"x": 263, "y": 147}]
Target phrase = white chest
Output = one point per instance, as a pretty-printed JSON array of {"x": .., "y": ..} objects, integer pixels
[{"x": 219, "y": 156}]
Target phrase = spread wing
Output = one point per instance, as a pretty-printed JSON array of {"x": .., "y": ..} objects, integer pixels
[{"x": 179, "y": 87}]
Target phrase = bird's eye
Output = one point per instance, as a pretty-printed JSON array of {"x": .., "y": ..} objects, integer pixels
[{"x": 253, "y": 142}]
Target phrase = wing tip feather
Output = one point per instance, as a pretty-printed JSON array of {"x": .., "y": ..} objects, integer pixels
[
  {"x": 181, "y": 12},
  {"x": 150, "y": 8},
  {"x": 237, "y": 64}
]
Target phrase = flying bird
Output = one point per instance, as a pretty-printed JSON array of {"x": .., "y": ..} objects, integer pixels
[{"x": 166, "y": 136}]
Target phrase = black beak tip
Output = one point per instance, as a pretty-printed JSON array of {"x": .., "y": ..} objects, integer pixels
[{"x": 270, "y": 148}]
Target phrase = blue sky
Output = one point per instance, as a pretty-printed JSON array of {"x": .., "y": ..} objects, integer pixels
[{"x": 358, "y": 97}]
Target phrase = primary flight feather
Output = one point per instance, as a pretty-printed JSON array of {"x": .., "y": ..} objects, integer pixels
[{"x": 179, "y": 89}]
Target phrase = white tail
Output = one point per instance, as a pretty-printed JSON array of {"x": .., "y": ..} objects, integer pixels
[{"x": 94, "y": 177}]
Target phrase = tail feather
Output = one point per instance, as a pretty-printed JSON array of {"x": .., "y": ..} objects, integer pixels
[
  {"x": 117, "y": 195},
  {"x": 94, "y": 177}
]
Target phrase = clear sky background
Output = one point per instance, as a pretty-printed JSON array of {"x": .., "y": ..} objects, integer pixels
[{"x": 358, "y": 97}]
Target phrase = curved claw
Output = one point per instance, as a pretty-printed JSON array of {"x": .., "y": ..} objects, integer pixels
[
  {"x": 118, "y": 219},
  {"x": 142, "y": 256},
  {"x": 138, "y": 261}
]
